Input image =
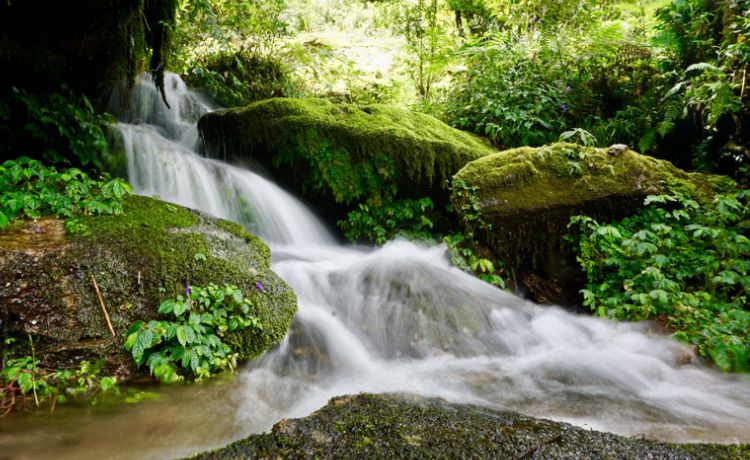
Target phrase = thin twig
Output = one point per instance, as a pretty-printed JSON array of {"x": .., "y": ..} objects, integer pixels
[
  {"x": 33, "y": 370},
  {"x": 744, "y": 80},
  {"x": 104, "y": 309}
]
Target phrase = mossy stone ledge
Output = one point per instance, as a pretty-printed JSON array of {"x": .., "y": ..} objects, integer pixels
[
  {"x": 149, "y": 253},
  {"x": 404, "y": 426},
  {"x": 529, "y": 194},
  {"x": 338, "y": 154}
]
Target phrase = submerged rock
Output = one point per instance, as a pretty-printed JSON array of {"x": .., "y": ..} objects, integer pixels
[
  {"x": 402, "y": 426},
  {"x": 341, "y": 153},
  {"x": 528, "y": 195},
  {"x": 137, "y": 259}
]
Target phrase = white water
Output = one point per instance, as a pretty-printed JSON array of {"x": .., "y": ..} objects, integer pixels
[{"x": 400, "y": 318}]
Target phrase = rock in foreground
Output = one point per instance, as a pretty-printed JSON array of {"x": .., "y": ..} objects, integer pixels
[
  {"x": 402, "y": 426},
  {"x": 138, "y": 259}
]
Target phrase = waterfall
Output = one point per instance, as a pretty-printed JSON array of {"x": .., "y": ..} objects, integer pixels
[{"x": 400, "y": 318}]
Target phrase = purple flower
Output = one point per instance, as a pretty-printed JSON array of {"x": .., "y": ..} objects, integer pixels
[
  {"x": 188, "y": 290},
  {"x": 567, "y": 88},
  {"x": 259, "y": 286},
  {"x": 564, "y": 106}
]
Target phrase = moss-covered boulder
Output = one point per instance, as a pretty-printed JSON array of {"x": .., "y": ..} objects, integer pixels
[
  {"x": 137, "y": 259},
  {"x": 341, "y": 153},
  {"x": 527, "y": 196},
  {"x": 396, "y": 426}
]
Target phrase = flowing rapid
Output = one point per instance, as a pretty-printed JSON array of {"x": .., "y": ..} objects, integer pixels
[{"x": 400, "y": 318}]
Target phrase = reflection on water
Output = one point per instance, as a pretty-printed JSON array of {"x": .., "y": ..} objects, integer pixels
[{"x": 182, "y": 420}]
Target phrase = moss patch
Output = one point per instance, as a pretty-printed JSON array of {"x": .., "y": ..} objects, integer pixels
[
  {"x": 395, "y": 426},
  {"x": 343, "y": 152},
  {"x": 526, "y": 179},
  {"x": 150, "y": 253}
]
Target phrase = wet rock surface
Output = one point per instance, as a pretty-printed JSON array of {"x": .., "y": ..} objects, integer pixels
[{"x": 405, "y": 426}]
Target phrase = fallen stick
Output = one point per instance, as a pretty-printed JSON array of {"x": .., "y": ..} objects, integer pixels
[{"x": 104, "y": 309}]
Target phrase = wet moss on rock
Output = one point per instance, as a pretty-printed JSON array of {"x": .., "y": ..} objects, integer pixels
[
  {"x": 529, "y": 194},
  {"x": 138, "y": 259},
  {"x": 402, "y": 426},
  {"x": 343, "y": 152}
]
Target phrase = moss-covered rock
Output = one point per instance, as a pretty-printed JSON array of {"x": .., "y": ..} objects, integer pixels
[
  {"x": 397, "y": 426},
  {"x": 341, "y": 153},
  {"x": 138, "y": 259},
  {"x": 528, "y": 195}
]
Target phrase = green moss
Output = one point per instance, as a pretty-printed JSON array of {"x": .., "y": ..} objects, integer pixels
[
  {"x": 342, "y": 150},
  {"x": 395, "y": 426},
  {"x": 527, "y": 179},
  {"x": 138, "y": 259}
]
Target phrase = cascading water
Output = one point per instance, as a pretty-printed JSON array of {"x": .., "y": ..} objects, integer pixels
[{"x": 400, "y": 318}]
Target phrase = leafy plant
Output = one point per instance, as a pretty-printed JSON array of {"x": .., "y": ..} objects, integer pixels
[
  {"x": 28, "y": 189},
  {"x": 59, "y": 127},
  {"x": 237, "y": 78},
  {"x": 463, "y": 247},
  {"x": 429, "y": 47},
  {"x": 20, "y": 378},
  {"x": 379, "y": 222},
  {"x": 684, "y": 262},
  {"x": 462, "y": 253},
  {"x": 190, "y": 342},
  {"x": 584, "y": 137}
]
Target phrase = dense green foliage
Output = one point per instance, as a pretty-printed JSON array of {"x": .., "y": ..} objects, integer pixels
[
  {"x": 24, "y": 377},
  {"x": 190, "y": 341},
  {"x": 234, "y": 79},
  {"x": 679, "y": 260},
  {"x": 669, "y": 81},
  {"x": 57, "y": 127},
  {"x": 28, "y": 189},
  {"x": 379, "y": 222}
]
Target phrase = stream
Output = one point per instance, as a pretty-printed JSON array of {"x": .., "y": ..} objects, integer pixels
[{"x": 397, "y": 318}]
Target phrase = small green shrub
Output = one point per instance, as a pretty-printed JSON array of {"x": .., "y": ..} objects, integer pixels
[
  {"x": 237, "y": 78},
  {"x": 58, "y": 127},
  {"x": 462, "y": 251},
  {"x": 23, "y": 377},
  {"x": 380, "y": 222},
  {"x": 463, "y": 248},
  {"x": 190, "y": 343},
  {"x": 28, "y": 189},
  {"x": 680, "y": 261}
]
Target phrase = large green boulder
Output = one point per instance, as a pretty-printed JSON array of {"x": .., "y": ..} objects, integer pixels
[
  {"x": 151, "y": 252},
  {"x": 519, "y": 203},
  {"x": 342, "y": 153},
  {"x": 403, "y": 426}
]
